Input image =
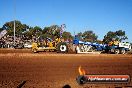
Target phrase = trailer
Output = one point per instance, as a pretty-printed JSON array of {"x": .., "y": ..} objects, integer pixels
[{"x": 87, "y": 47}]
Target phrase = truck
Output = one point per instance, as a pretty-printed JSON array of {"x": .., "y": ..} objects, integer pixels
[{"x": 119, "y": 48}]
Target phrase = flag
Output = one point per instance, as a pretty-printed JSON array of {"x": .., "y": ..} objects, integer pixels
[{"x": 63, "y": 26}]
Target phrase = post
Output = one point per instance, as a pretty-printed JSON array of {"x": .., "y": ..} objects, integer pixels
[
  {"x": 14, "y": 22},
  {"x": 14, "y": 32}
]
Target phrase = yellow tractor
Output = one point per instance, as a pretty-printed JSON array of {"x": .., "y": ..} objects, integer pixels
[{"x": 50, "y": 45}]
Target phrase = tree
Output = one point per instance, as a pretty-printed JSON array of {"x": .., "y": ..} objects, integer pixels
[
  {"x": 109, "y": 36},
  {"x": 45, "y": 32},
  {"x": 121, "y": 35},
  {"x": 20, "y": 28},
  {"x": 67, "y": 35},
  {"x": 88, "y": 36},
  {"x": 55, "y": 30},
  {"x": 80, "y": 34},
  {"x": 52, "y": 31},
  {"x": 117, "y": 35},
  {"x": 37, "y": 31}
]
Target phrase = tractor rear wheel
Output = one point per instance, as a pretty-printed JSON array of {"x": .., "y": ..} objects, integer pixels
[{"x": 62, "y": 47}]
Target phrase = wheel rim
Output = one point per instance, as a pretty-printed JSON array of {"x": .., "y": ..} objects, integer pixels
[
  {"x": 34, "y": 50},
  {"x": 117, "y": 51},
  {"x": 63, "y": 48},
  {"x": 123, "y": 51}
]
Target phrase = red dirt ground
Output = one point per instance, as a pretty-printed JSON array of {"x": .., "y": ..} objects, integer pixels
[{"x": 52, "y": 70}]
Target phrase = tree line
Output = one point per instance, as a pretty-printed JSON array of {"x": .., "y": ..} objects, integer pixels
[{"x": 53, "y": 32}]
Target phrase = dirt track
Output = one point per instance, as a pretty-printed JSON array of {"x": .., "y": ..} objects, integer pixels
[{"x": 56, "y": 70}]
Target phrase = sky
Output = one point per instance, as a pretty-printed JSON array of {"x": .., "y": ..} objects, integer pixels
[{"x": 100, "y": 16}]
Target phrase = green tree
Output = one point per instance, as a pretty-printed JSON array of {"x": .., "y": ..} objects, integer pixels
[
  {"x": 121, "y": 35},
  {"x": 37, "y": 31},
  {"x": 80, "y": 34},
  {"x": 88, "y": 36},
  {"x": 33, "y": 31},
  {"x": 51, "y": 31},
  {"x": 28, "y": 34},
  {"x": 109, "y": 36},
  {"x": 46, "y": 32},
  {"x": 67, "y": 35},
  {"x": 117, "y": 35},
  {"x": 20, "y": 28},
  {"x": 55, "y": 30}
]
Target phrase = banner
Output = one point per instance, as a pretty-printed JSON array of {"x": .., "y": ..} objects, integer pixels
[
  {"x": 2, "y": 33},
  {"x": 63, "y": 26}
]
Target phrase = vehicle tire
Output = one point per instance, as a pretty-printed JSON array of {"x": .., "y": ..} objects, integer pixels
[
  {"x": 122, "y": 51},
  {"x": 34, "y": 50},
  {"x": 62, "y": 47},
  {"x": 116, "y": 51}
]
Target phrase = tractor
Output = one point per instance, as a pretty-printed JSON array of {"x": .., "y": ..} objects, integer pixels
[
  {"x": 57, "y": 44},
  {"x": 50, "y": 45},
  {"x": 117, "y": 47}
]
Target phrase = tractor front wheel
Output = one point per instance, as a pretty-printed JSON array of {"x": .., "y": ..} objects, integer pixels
[{"x": 34, "y": 50}]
